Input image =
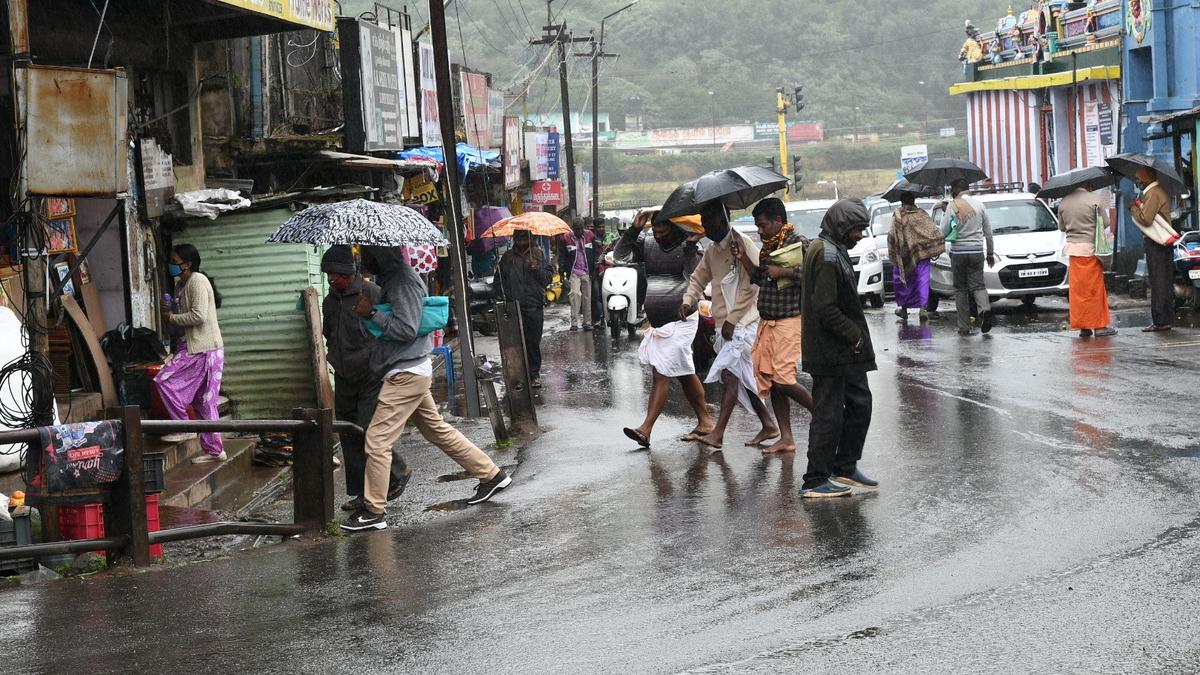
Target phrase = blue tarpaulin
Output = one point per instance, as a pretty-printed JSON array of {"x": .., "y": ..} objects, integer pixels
[{"x": 468, "y": 157}]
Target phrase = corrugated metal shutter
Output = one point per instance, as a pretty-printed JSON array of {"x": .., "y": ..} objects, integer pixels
[{"x": 268, "y": 370}]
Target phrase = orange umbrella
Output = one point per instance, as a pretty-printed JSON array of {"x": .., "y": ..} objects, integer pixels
[{"x": 538, "y": 223}]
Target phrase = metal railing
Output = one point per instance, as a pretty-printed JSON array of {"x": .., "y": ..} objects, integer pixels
[{"x": 125, "y": 518}]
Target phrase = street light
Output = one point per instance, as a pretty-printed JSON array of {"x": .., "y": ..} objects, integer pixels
[{"x": 596, "y": 56}]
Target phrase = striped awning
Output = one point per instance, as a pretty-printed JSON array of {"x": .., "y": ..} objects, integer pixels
[{"x": 1026, "y": 82}]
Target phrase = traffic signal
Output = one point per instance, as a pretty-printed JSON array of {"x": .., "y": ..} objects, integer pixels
[
  {"x": 797, "y": 172},
  {"x": 798, "y": 97}
]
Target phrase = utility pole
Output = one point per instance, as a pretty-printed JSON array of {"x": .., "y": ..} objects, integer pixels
[
  {"x": 557, "y": 34},
  {"x": 454, "y": 221},
  {"x": 597, "y": 54}
]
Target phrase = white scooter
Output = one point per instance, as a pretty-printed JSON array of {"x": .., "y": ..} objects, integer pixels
[{"x": 620, "y": 287}]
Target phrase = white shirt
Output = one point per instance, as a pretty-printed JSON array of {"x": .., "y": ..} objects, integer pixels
[{"x": 423, "y": 368}]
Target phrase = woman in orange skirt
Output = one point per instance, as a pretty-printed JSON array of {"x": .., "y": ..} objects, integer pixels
[{"x": 1079, "y": 213}]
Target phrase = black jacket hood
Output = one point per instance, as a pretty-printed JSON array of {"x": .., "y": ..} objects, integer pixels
[
  {"x": 844, "y": 216},
  {"x": 386, "y": 261}
]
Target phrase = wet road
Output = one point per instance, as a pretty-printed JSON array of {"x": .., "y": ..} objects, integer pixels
[{"x": 1038, "y": 511}]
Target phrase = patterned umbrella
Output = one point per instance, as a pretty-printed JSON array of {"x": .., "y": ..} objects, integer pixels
[
  {"x": 359, "y": 221},
  {"x": 539, "y": 224}
]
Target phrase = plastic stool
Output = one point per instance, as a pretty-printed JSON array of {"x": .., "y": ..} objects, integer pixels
[{"x": 448, "y": 355}]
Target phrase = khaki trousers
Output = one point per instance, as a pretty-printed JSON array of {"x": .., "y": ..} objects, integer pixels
[
  {"x": 405, "y": 395},
  {"x": 581, "y": 300}
]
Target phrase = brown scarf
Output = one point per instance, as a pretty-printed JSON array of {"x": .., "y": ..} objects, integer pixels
[
  {"x": 914, "y": 237},
  {"x": 963, "y": 208},
  {"x": 773, "y": 242}
]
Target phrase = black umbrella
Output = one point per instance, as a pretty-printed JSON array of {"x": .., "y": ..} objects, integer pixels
[
  {"x": 1128, "y": 163},
  {"x": 736, "y": 188},
  {"x": 903, "y": 186},
  {"x": 944, "y": 171},
  {"x": 1091, "y": 177}
]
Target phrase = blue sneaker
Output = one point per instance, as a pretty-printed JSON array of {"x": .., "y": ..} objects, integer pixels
[
  {"x": 826, "y": 489},
  {"x": 856, "y": 479}
]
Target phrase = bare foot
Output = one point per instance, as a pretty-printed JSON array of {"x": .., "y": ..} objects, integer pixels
[
  {"x": 780, "y": 447},
  {"x": 762, "y": 437},
  {"x": 695, "y": 434},
  {"x": 712, "y": 440}
]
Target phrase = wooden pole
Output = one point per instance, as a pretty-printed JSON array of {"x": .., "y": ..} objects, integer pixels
[
  {"x": 454, "y": 219},
  {"x": 126, "y": 512},
  {"x": 312, "y": 471}
]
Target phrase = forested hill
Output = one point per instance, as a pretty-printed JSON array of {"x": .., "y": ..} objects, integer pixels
[{"x": 861, "y": 62}]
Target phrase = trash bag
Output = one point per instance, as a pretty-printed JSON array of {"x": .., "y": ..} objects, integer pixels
[{"x": 124, "y": 345}]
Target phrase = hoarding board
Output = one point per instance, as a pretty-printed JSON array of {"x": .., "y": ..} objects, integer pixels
[
  {"x": 431, "y": 123},
  {"x": 474, "y": 94},
  {"x": 512, "y": 153},
  {"x": 312, "y": 13}
]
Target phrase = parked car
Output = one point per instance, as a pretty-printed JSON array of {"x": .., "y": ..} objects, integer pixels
[
  {"x": 1029, "y": 252},
  {"x": 806, "y": 217},
  {"x": 746, "y": 226},
  {"x": 881, "y": 213}
]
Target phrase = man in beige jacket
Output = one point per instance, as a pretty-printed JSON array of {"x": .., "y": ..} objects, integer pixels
[{"x": 735, "y": 308}]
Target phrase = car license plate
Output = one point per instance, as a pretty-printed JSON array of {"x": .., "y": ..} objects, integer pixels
[
  {"x": 1035, "y": 272},
  {"x": 1194, "y": 274}
]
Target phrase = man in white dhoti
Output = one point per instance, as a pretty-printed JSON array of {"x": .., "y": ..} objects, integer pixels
[
  {"x": 668, "y": 257},
  {"x": 734, "y": 306}
]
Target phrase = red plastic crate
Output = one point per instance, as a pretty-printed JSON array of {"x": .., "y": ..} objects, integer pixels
[{"x": 87, "y": 522}]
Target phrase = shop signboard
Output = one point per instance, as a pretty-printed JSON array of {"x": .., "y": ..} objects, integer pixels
[
  {"x": 418, "y": 189},
  {"x": 386, "y": 88},
  {"x": 431, "y": 123},
  {"x": 512, "y": 153},
  {"x": 316, "y": 14},
  {"x": 496, "y": 117},
  {"x": 1105, "y": 123},
  {"x": 474, "y": 95},
  {"x": 552, "y": 151},
  {"x": 537, "y": 151},
  {"x": 1091, "y": 134},
  {"x": 545, "y": 193},
  {"x": 766, "y": 131}
]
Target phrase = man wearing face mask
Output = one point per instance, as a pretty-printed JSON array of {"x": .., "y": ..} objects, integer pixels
[
  {"x": 525, "y": 275},
  {"x": 355, "y": 392},
  {"x": 836, "y": 351}
]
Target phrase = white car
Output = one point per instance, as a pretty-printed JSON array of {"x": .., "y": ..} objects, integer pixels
[
  {"x": 806, "y": 217},
  {"x": 1029, "y": 252}
]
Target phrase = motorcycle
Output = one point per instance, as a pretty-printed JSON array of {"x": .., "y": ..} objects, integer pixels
[
  {"x": 482, "y": 295},
  {"x": 620, "y": 290},
  {"x": 1187, "y": 269}
]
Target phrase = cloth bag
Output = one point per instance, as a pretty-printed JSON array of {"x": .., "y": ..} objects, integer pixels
[{"x": 435, "y": 314}]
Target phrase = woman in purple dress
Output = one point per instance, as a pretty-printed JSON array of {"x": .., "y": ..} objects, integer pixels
[{"x": 913, "y": 242}]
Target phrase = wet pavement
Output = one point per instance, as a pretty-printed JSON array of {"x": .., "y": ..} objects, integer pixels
[{"x": 1038, "y": 511}]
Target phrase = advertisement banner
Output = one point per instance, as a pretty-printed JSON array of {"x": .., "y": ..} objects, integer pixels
[
  {"x": 474, "y": 94},
  {"x": 312, "y": 13},
  {"x": 1091, "y": 130},
  {"x": 431, "y": 124},
  {"x": 384, "y": 87},
  {"x": 552, "y": 151},
  {"x": 512, "y": 153},
  {"x": 913, "y": 157},
  {"x": 408, "y": 72},
  {"x": 496, "y": 117},
  {"x": 766, "y": 130},
  {"x": 545, "y": 193}
]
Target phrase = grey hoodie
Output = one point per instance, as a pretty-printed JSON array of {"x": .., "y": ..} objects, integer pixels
[
  {"x": 974, "y": 234},
  {"x": 405, "y": 291}
]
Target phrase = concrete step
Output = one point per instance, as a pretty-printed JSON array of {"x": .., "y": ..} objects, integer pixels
[
  {"x": 176, "y": 453},
  {"x": 189, "y": 485}
]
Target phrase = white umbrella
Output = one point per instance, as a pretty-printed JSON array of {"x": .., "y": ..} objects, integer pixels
[{"x": 359, "y": 221}]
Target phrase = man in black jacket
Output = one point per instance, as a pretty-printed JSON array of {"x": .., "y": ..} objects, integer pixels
[
  {"x": 525, "y": 275},
  {"x": 837, "y": 353}
]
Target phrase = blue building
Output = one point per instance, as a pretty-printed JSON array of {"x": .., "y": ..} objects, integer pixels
[{"x": 1161, "y": 94}]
